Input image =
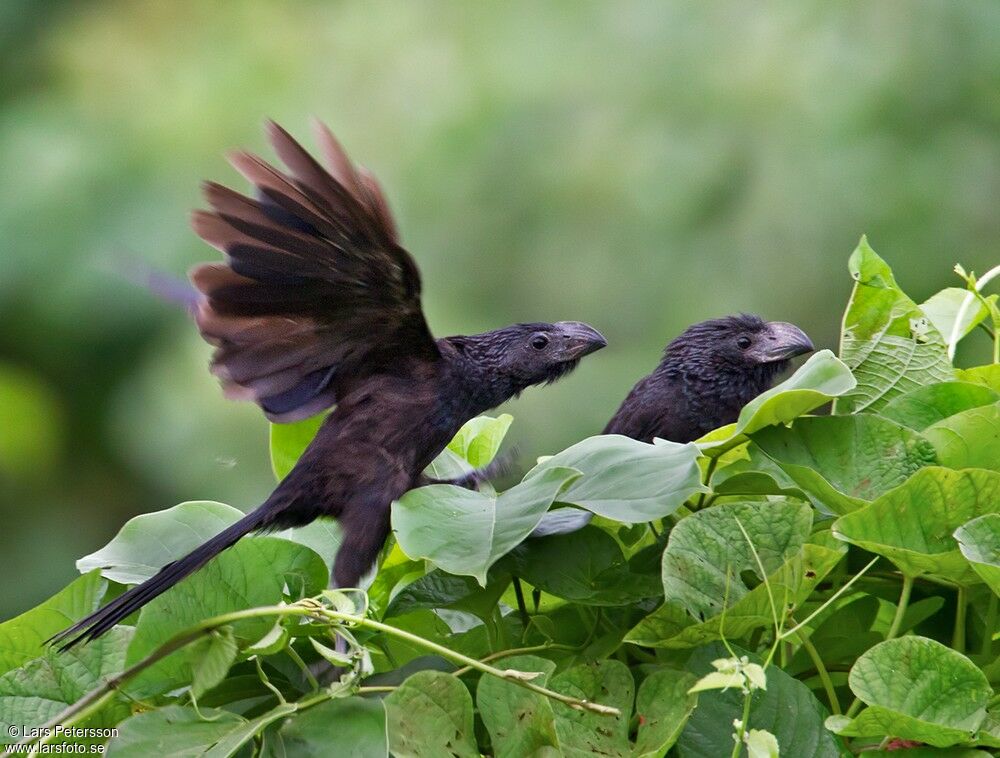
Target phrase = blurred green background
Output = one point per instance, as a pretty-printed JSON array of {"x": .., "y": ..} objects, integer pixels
[{"x": 637, "y": 165}]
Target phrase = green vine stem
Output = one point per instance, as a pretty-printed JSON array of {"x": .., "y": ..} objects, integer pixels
[
  {"x": 904, "y": 601},
  {"x": 98, "y": 697},
  {"x": 824, "y": 675},
  {"x": 961, "y": 612}
]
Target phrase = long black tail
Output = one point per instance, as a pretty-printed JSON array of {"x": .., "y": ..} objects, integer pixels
[{"x": 101, "y": 620}]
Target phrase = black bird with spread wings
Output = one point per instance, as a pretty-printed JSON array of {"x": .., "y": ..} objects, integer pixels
[
  {"x": 706, "y": 376},
  {"x": 317, "y": 305}
]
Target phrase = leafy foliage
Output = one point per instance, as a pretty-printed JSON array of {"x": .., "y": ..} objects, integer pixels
[{"x": 790, "y": 585}]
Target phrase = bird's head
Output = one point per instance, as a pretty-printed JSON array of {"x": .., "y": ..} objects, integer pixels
[
  {"x": 743, "y": 343},
  {"x": 522, "y": 355}
]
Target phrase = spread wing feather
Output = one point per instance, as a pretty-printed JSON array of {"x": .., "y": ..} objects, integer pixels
[{"x": 316, "y": 295}]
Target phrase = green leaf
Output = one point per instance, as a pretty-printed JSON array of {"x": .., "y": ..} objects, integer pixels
[
  {"x": 465, "y": 532},
  {"x": 843, "y": 462},
  {"x": 583, "y": 733},
  {"x": 520, "y": 722},
  {"x": 694, "y": 573},
  {"x": 181, "y": 732},
  {"x": 887, "y": 341},
  {"x": 818, "y": 381},
  {"x": 942, "y": 310},
  {"x": 663, "y": 706},
  {"x": 913, "y": 524},
  {"x": 707, "y": 552},
  {"x": 627, "y": 480},
  {"x": 150, "y": 541},
  {"x": 924, "y": 406},
  {"x": 586, "y": 566},
  {"x": 351, "y": 726},
  {"x": 916, "y": 689},
  {"x": 988, "y": 375},
  {"x": 22, "y": 637},
  {"x": 439, "y": 589},
  {"x": 970, "y": 439},
  {"x": 430, "y": 715},
  {"x": 786, "y": 708},
  {"x": 289, "y": 441},
  {"x": 979, "y": 541},
  {"x": 216, "y": 657},
  {"x": 479, "y": 440},
  {"x": 252, "y": 573},
  {"x": 42, "y": 688}
]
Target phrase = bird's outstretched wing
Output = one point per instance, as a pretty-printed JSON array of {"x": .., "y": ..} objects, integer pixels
[{"x": 316, "y": 294}]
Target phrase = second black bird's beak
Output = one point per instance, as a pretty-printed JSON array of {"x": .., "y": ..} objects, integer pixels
[
  {"x": 579, "y": 339},
  {"x": 782, "y": 341}
]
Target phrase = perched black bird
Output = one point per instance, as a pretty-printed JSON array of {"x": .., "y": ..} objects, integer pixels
[
  {"x": 318, "y": 305},
  {"x": 706, "y": 376}
]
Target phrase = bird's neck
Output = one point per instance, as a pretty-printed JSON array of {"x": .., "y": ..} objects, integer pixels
[
  {"x": 721, "y": 379},
  {"x": 474, "y": 379}
]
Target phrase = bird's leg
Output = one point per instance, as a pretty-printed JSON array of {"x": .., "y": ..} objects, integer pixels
[{"x": 498, "y": 467}]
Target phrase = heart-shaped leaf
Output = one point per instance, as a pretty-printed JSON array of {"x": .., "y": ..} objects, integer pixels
[
  {"x": 429, "y": 715},
  {"x": 970, "y": 439},
  {"x": 520, "y": 722},
  {"x": 916, "y": 689}
]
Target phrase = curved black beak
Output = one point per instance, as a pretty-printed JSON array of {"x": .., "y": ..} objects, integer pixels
[
  {"x": 781, "y": 342},
  {"x": 580, "y": 339}
]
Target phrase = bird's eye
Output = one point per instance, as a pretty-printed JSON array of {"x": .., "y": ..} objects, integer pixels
[
  {"x": 539, "y": 341},
  {"x": 743, "y": 342}
]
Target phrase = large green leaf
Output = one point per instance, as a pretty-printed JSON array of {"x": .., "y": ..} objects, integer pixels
[
  {"x": 430, "y": 715},
  {"x": 42, "y": 688},
  {"x": 970, "y": 439},
  {"x": 707, "y": 552},
  {"x": 586, "y": 566},
  {"x": 584, "y": 733},
  {"x": 520, "y": 722},
  {"x": 979, "y": 541},
  {"x": 182, "y": 732},
  {"x": 22, "y": 637},
  {"x": 253, "y": 572},
  {"x": 351, "y": 726},
  {"x": 627, "y": 480},
  {"x": 150, "y": 541},
  {"x": 466, "y": 532},
  {"x": 786, "y": 708},
  {"x": 942, "y": 309},
  {"x": 843, "y": 462},
  {"x": 818, "y": 381},
  {"x": 916, "y": 689},
  {"x": 663, "y": 706},
  {"x": 693, "y": 613},
  {"x": 920, "y": 408},
  {"x": 913, "y": 524},
  {"x": 887, "y": 341}
]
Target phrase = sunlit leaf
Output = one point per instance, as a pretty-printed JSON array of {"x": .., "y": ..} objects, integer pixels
[
  {"x": 818, "y": 381},
  {"x": 920, "y": 408},
  {"x": 942, "y": 310},
  {"x": 887, "y": 341},
  {"x": 970, "y": 439}
]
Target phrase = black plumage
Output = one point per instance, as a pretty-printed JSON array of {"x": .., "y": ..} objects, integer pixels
[
  {"x": 318, "y": 305},
  {"x": 706, "y": 376}
]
